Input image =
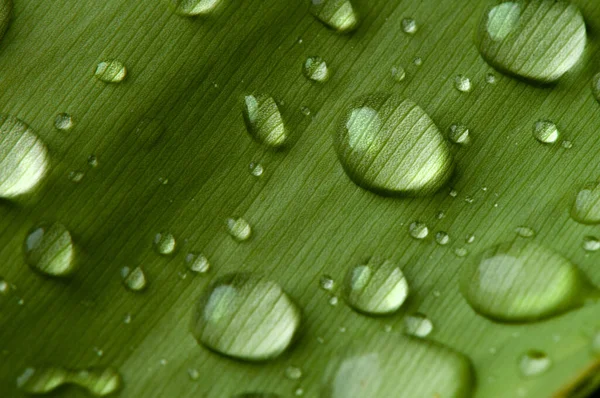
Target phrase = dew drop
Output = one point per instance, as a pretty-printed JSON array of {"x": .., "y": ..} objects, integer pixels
[
  {"x": 461, "y": 252},
  {"x": 535, "y": 39},
  {"x": 591, "y": 244},
  {"x": 418, "y": 61},
  {"x": 76, "y": 176},
  {"x": 4, "y": 287},
  {"x": 112, "y": 71},
  {"x": 463, "y": 84},
  {"x": 409, "y": 26},
  {"x": 335, "y": 14},
  {"x": 49, "y": 250},
  {"x": 442, "y": 238},
  {"x": 97, "y": 381},
  {"x": 92, "y": 161},
  {"x": 490, "y": 78},
  {"x": 197, "y": 262},
  {"x": 305, "y": 110},
  {"x": 545, "y": 132},
  {"x": 24, "y": 158},
  {"x": 586, "y": 208},
  {"x": 193, "y": 374},
  {"x": 389, "y": 145},
  {"x": 134, "y": 280},
  {"x": 64, "y": 122},
  {"x": 375, "y": 288},
  {"x": 567, "y": 144},
  {"x": 164, "y": 243},
  {"x": 264, "y": 121},
  {"x": 333, "y": 301},
  {"x": 191, "y": 8},
  {"x": 256, "y": 169},
  {"x": 239, "y": 229},
  {"x": 534, "y": 363},
  {"x": 524, "y": 231},
  {"x": 246, "y": 316},
  {"x": 470, "y": 238},
  {"x": 293, "y": 373},
  {"x": 522, "y": 281},
  {"x": 418, "y": 230},
  {"x": 459, "y": 134},
  {"x": 417, "y": 325},
  {"x": 327, "y": 283},
  {"x": 398, "y": 73},
  {"x": 316, "y": 70}
]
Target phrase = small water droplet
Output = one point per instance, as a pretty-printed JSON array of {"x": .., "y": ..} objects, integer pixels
[
  {"x": 459, "y": 134},
  {"x": 246, "y": 316},
  {"x": 112, "y": 71},
  {"x": 436, "y": 293},
  {"x": 239, "y": 229},
  {"x": 463, "y": 84},
  {"x": 591, "y": 244},
  {"x": 461, "y": 252},
  {"x": 398, "y": 73},
  {"x": 299, "y": 392},
  {"x": 440, "y": 215},
  {"x": 92, "y": 161},
  {"x": 417, "y": 325},
  {"x": 490, "y": 78},
  {"x": 442, "y": 238},
  {"x": 256, "y": 169},
  {"x": 586, "y": 208},
  {"x": 409, "y": 26},
  {"x": 134, "y": 280},
  {"x": 197, "y": 262},
  {"x": 193, "y": 373},
  {"x": 293, "y": 373},
  {"x": 335, "y": 14},
  {"x": 164, "y": 243},
  {"x": 418, "y": 230},
  {"x": 97, "y": 381},
  {"x": 127, "y": 318},
  {"x": 545, "y": 132},
  {"x": 333, "y": 301},
  {"x": 567, "y": 144},
  {"x": 4, "y": 287},
  {"x": 98, "y": 351},
  {"x": 64, "y": 122},
  {"x": 453, "y": 193},
  {"x": 418, "y": 61},
  {"x": 76, "y": 176},
  {"x": 316, "y": 70},
  {"x": 327, "y": 283},
  {"x": 305, "y": 110},
  {"x": 264, "y": 121},
  {"x": 533, "y": 363},
  {"x": 470, "y": 238},
  {"x": 192, "y": 8},
  {"x": 375, "y": 288},
  {"x": 524, "y": 231},
  {"x": 50, "y": 250}
]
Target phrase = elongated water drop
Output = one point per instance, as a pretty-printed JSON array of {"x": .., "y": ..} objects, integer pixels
[
  {"x": 535, "y": 39},
  {"x": 264, "y": 121},
  {"x": 191, "y": 8},
  {"x": 134, "y": 280},
  {"x": 534, "y": 363},
  {"x": 112, "y": 71},
  {"x": 164, "y": 243},
  {"x": 545, "y": 132},
  {"x": 389, "y": 145},
  {"x": 24, "y": 159},
  {"x": 239, "y": 229},
  {"x": 246, "y": 316},
  {"x": 522, "y": 281},
  {"x": 99, "y": 382},
  {"x": 375, "y": 288},
  {"x": 586, "y": 208},
  {"x": 336, "y": 14},
  {"x": 315, "y": 69},
  {"x": 50, "y": 250}
]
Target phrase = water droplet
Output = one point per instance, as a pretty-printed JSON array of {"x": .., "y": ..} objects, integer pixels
[
  {"x": 193, "y": 373},
  {"x": 470, "y": 238},
  {"x": 92, "y": 161},
  {"x": 417, "y": 325},
  {"x": 4, "y": 287},
  {"x": 389, "y": 145},
  {"x": 459, "y": 134},
  {"x": 534, "y": 363},
  {"x": 440, "y": 215},
  {"x": 418, "y": 61},
  {"x": 567, "y": 144},
  {"x": 490, "y": 78},
  {"x": 76, "y": 176},
  {"x": 305, "y": 110},
  {"x": 197, "y": 262},
  {"x": 239, "y": 229},
  {"x": 112, "y": 71},
  {"x": 463, "y": 84},
  {"x": 191, "y": 8},
  {"x": 98, "y": 351},
  {"x": 418, "y": 230},
  {"x": 442, "y": 238},
  {"x": 315, "y": 69},
  {"x": 333, "y": 301},
  {"x": 256, "y": 169},
  {"x": 134, "y": 280},
  {"x": 97, "y": 381},
  {"x": 536, "y": 39},
  {"x": 522, "y": 281},
  {"x": 461, "y": 252},
  {"x": 264, "y": 121},
  {"x": 591, "y": 244},
  {"x": 398, "y": 73},
  {"x": 586, "y": 209},
  {"x": 164, "y": 243},
  {"x": 525, "y": 231},
  {"x": 453, "y": 193},
  {"x": 246, "y": 317},
  {"x": 50, "y": 250},
  {"x": 545, "y": 132},
  {"x": 336, "y": 14},
  {"x": 293, "y": 373},
  {"x": 375, "y": 288},
  {"x": 24, "y": 158},
  {"x": 327, "y": 283},
  {"x": 64, "y": 122},
  {"x": 127, "y": 318},
  {"x": 409, "y": 26}
]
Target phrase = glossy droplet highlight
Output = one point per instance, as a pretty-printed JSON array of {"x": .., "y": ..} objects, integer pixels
[
  {"x": 398, "y": 73},
  {"x": 246, "y": 317},
  {"x": 191, "y": 8},
  {"x": 112, "y": 71},
  {"x": 417, "y": 325},
  {"x": 591, "y": 244},
  {"x": 522, "y": 281},
  {"x": 375, "y": 288},
  {"x": 264, "y": 121},
  {"x": 50, "y": 250},
  {"x": 293, "y": 373},
  {"x": 327, "y": 283},
  {"x": 463, "y": 84},
  {"x": 545, "y": 132},
  {"x": 64, "y": 122},
  {"x": 586, "y": 208},
  {"x": 315, "y": 69},
  {"x": 99, "y": 382},
  {"x": 197, "y": 262},
  {"x": 538, "y": 40},
  {"x": 335, "y": 14},
  {"x": 524, "y": 231},
  {"x": 256, "y": 169},
  {"x": 418, "y": 230},
  {"x": 239, "y": 229},
  {"x": 442, "y": 238},
  {"x": 134, "y": 280},
  {"x": 389, "y": 145},
  {"x": 534, "y": 363},
  {"x": 24, "y": 159},
  {"x": 409, "y": 26},
  {"x": 164, "y": 243},
  {"x": 459, "y": 134}
]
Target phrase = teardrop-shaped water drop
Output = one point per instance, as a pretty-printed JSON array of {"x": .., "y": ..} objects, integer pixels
[
  {"x": 191, "y": 8},
  {"x": 336, "y": 14},
  {"x": 534, "y": 363},
  {"x": 99, "y": 382},
  {"x": 522, "y": 281},
  {"x": 375, "y": 288},
  {"x": 134, "y": 280},
  {"x": 315, "y": 69},
  {"x": 586, "y": 208},
  {"x": 264, "y": 121},
  {"x": 24, "y": 159},
  {"x": 164, "y": 243},
  {"x": 417, "y": 325},
  {"x": 389, "y": 145},
  {"x": 545, "y": 132},
  {"x": 112, "y": 71},
  {"x": 535, "y": 39},
  {"x": 239, "y": 229},
  {"x": 49, "y": 250},
  {"x": 246, "y": 316}
]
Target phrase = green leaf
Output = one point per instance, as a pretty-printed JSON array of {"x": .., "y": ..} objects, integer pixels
[{"x": 166, "y": 151}]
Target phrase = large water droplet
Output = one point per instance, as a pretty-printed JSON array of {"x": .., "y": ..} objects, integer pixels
[
  {"x": 534, "y": 363},
  {"x": 164, "y": 243},
  {"x": 112, "y": 71},
  {"x": 97, "y": 381},
  {"x": 417, "y": 325},
  {"x": 535, "y": 39},
  {"x": 336, "y": 14},
  {"x": 375, "y": 288},
  {"x": 239, "y": 229},
  {"x": 315, "y": 69},
  {"x": 389, "y": 145},
  {"x": 134, "y": 280},
  {"x": 522, "y": 281},
  {"x": 247, "y": 317},
  {"x": 24, "y": 157},
  {"x": 50, "y": 250},
  {"x": 545, "y": 132},
  {"x": 190, "y": 8},
  {"x": 264, "y": 121},
  {"x": 586, "y": 208}
]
